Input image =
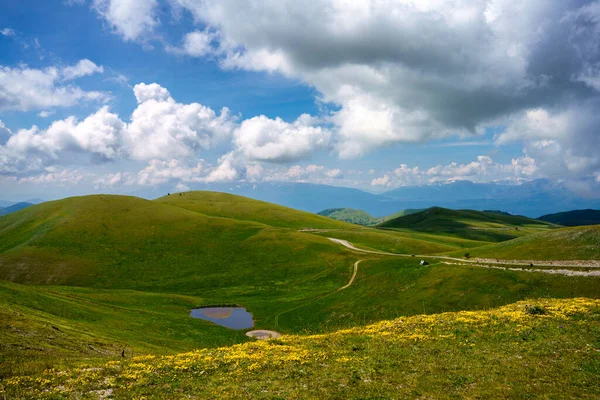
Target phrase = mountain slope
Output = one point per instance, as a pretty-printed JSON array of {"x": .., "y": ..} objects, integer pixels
[
  {"x": 226, "y": 205},
  {"x": 127, "y": 242},
  {"x": 469, "y": 224},
  {"x": 14, "y": 207},
  {"x": 361, "y": 217},
  {"x": 577, "y": 243},
  {"x": 349, "y": 215},
  {"x": 573, "y": 218}
]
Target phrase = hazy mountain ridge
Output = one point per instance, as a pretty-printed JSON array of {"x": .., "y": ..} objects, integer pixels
[{"x": 574, "y": 218}]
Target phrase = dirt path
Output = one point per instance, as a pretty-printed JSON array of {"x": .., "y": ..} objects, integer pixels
[
  {"x": 567, "y": 272},
  {"x": 353, "y": 276},
  {"x": 475, "y": 261}
]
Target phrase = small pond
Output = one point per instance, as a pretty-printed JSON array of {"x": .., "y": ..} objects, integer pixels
[{"x": 229, "y": 317}]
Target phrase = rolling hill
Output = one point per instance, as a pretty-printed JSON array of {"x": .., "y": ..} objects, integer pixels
[
  {"x": 573, "y": 218},
  {"x": 131, "y": 243},
  {"x": 226, "y": 205},
  {"x": 84, "y": 278},
  {"x": 577, "y": 243},
  {"x": 361, "y": 217},
  {"x": 468, "y": 224}
]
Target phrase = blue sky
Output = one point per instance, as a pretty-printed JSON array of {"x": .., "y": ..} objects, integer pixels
[{"x": 117, "y": 96}]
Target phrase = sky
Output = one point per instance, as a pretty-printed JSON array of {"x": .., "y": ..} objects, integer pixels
[{"x": 113, "y": 96}]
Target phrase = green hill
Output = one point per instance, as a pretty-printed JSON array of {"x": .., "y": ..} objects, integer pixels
[
  {"x": 119, "y": 242},
  {"x": 83, "y": 278},
  {"x": 350, "y": 215},
  {"x": 361, "y": 217},
  {"x": 578, "y": 243},
  {"x": 468, "y": 224},
  {"x": 227, "y": 205},
  {"x": 573, "y": 218}
]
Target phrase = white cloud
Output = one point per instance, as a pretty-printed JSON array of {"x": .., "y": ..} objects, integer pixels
[
  {"x": 84, "y": 67},
  {"x": 99, "y": 135},
  {"x": 7, "y": 32},
  {"x": 161, "y": 128},
  {"x": 274, "y": 140},
  {"x": 335, "y": 173},
  {"x": 180, "y": 187},
  {"x": 229, "y": 169},
  {"x": 195, "y": 44},
  {"x": 45, "y": 114},
  {"x": 23, "y": 88},
  {"x": 132, "y": 19},
  {"x": 479, "y": 61},
  {"x": 564, "y": 142},
  {"x": 159, "y": 171},
  {"x": 381, "y": 181},
  {"x": 56, "y": 177},
  {"x": 484, "y": 169}
]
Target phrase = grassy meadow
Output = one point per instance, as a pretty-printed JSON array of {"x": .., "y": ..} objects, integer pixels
[{"x": 85, "y": 278}]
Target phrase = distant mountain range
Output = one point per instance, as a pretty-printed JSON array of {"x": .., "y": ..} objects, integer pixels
[
  {"x": 14, "y": 207},
  {"x": 529, "y": 198}
]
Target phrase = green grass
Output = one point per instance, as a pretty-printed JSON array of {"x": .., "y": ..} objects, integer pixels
[
  {"x": 497, "y": 353},
  {"x": 468, "y": 224},
  {"x": 361, "y": 217},
  {"x": 400, "y": 241},
  {"x": 242, "y": 208},
  {"x": 386, "y": 289},
  {"x": 580, "y": 243},
  {"x": 86, "y": 277}
]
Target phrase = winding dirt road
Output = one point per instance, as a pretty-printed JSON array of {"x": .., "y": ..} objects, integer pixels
[
  {"x": 477, "y": 262},
  {"x": 352, "y": 277}
]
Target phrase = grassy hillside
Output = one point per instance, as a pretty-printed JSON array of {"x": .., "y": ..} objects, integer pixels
[
  {"x": 393, "y": 241},
  {"x": 86, "y": 277},
  {"x": 58, "y": 325},
  {"x": 579, "y": 243},
  {"x": 573, "y": 218},
  {"x": 131, "y": 243},
  {"x": 350, "y": 215},
  {"x": 226, "y": 205},
  {"x": 468, "y": 224},
  {"x": 361, "y": 217},
  {"x": 506, "y": 352}
]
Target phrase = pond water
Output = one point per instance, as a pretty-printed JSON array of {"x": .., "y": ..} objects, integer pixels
[{"x": 229, "y": 317}]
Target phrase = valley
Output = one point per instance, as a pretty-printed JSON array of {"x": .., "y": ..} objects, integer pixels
[{"x": 103, "y": 279}]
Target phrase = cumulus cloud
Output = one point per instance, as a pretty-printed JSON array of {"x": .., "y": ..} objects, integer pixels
[
  {"x": 99, "y": 136},
  {"x": 482, "y": 170},
  {"x": 45, "y": 113},
  {"x": 159, "y": 171},
  {"x": 563, "y": 141},
  {"x": 82, "y": 68},
  {"x": 132, "y": 19},
  {"x": 274, "y": 140},
  {"x": 23, "y": 88},
  {"x": 479, "y": 63},
  {"x": 195, "y": 44},
  {"x": 161, "y": 128}
]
